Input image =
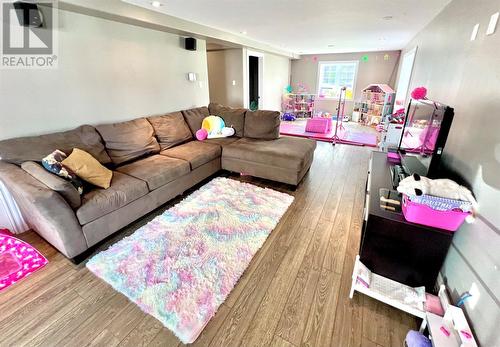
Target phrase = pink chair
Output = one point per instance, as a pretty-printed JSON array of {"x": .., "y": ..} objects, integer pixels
[{"x": 319, "y": 125}]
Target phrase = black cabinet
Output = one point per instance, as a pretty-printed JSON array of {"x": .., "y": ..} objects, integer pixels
[{"x": 392, "y": 247}]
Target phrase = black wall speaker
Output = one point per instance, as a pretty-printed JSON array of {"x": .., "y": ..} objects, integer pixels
[
  {"x": 28, "y": 14},
  {"x": 190, "y": 43}
]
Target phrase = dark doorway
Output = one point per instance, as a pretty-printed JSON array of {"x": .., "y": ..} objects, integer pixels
[{"x": 253, "y": 80}]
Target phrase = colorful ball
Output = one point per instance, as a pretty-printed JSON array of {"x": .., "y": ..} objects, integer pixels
[{"x": 201, "y": 134}]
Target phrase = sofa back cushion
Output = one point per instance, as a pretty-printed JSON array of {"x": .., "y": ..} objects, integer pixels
[
  {"x": 233, "y": 117},
  {"x": 194, "y": 117},
  {"x": 262, "y": 124},
  {"x": 171, "y": 129},
  {"x": 129, "y": 140},
  {"x": 35, "y": 148}
]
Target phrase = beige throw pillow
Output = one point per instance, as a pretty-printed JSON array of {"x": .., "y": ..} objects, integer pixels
[{"x": 88, "y": 168}]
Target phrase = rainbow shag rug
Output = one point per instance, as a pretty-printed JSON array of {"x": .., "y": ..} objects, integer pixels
[{"x": 182, "y": 265}]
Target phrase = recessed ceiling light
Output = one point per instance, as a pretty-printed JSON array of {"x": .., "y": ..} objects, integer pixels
[
  {"x": 331, "y": 45},
  {"x": 156, "y": 4},
  {"x": 387, "y": 17}
]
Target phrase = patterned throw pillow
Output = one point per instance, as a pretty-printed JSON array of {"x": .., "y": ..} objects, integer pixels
[{"x": 53, "y": 163}]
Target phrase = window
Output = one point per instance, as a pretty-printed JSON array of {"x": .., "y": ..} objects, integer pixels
[{"x": 334, "y": 75}]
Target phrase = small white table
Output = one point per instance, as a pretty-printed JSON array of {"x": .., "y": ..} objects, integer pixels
[
  {"x": 455, "y": 323},
  {"x": 392, "y": 293}
]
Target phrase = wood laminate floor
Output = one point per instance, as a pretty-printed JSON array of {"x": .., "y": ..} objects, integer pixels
[{"x": 294, "y": 293}]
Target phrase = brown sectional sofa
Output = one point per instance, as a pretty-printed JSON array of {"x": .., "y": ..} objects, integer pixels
[{"x": 153, "y": 160}]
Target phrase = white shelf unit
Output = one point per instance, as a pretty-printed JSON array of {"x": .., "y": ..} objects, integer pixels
[
  {"x": 391, "y": 135},
  {"x": 301, "y": 105}
]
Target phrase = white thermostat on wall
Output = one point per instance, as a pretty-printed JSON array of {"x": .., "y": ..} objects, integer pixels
[{"x": 191, "y": 76}]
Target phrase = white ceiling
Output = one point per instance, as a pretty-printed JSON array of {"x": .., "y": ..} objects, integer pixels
[{"x": 311, "y": 26}]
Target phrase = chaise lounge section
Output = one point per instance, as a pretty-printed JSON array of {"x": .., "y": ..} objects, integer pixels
[{"x": 153, "y": 160}]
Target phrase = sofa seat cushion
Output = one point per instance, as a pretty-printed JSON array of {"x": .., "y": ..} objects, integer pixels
[
  {"x": 156, "y": 170},
  {"x": 129, "y": 140},
  {"x": 222, "y": 141},
  {"x": 285, "y": 152},
  {"x": 99, "y": 202},
  {"x": 195, "y": 152}
]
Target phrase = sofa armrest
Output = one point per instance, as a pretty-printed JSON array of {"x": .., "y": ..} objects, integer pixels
[{"x": 45, "y": 211}]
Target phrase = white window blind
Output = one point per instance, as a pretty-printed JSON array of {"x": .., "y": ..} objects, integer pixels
[{"x": 332, "y": 76}]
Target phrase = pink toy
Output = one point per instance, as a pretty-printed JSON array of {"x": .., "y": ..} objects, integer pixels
[
  {"x": 17, "y": 259},
  {"x": 433, "y": 304},
  {"x": 394, "y": 157},
  {"x": 319, "y": 125},
  {"x": 400, "y": 111},
  {"x": 419, "y": 93},
  {"x": 423, "y": 214},
  {"x": 201, "y": 134}
]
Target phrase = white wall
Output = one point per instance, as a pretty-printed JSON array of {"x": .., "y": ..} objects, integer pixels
[
  {"x": 375, "y": 70},
  {"x": 466, "y": 75},
  {"x": 224, "y": 67},
  {"x": 276, "y": 75},
  {"x": 108, "y": 71}
]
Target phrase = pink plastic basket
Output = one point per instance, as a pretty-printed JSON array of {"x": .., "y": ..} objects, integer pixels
[
  {"x": 318, "y": 125},
  {"x": 423, "y": 214}
]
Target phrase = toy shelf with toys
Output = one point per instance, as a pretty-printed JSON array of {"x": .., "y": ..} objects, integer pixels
[
  {"x": 376, "y": 102},
  {"x": 300, "y": 105}
]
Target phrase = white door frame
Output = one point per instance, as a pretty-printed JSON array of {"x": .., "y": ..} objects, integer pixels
[{"x": 246, "y": 68}]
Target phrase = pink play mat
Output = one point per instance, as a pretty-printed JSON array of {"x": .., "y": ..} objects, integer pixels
[
  {"x": 17, "y": 259},
  {"x": 347, "y": 136}
]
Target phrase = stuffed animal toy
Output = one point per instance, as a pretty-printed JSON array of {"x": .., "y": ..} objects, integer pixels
[
  {"x": 444, "y": 188},
  {"x": 214, "y": 127},
  {"x": 201, "y": 134},
  {"x": 417, "y": 339}
]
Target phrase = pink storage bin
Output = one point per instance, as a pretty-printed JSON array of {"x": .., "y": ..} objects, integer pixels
[
  {"x": 318, "y": 125},
  {"x": 423, "y": 214}
]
